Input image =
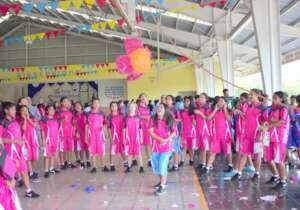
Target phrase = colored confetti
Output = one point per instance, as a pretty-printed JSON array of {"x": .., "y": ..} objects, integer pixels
[{"x": 89, "y": 189}]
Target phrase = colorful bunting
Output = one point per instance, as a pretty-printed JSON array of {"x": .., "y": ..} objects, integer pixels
[
  {"x": 112, "y": 24},
  {"x": 95, "y": 26},
  {"x": 4, "y": 9},
  {"x": 53, "y": 5},
  {"x": 89, "y": 3},
  {"x": 101, "y": 3},
  {"x": 27, "y": 7},
  {"x": 64, "y": 5},
  {"x": 120, "y": 22},
  {"x": 103, "y": 25},
  {"x": 41, "y": 6},
  {"x": 77, "y": 3}
]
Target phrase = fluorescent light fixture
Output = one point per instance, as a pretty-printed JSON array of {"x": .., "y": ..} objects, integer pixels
[{"x": 172, "y": 14}]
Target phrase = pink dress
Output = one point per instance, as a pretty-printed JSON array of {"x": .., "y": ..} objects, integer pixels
[
  {"x": 116, "y": 124},
  {"x": 12, "y": 131},
  {"x": 8, "y": 196},
  {"x": 133, "y": 138},
  {"x": 144, "y": 111},
  {"x": 254, "y": 116},
  {"x": 278, "y": 136},
  {"x": 66, "y": 131},
  {"x": 96, "y": 121},
  {"x": 80, "y": 121},
  {"x": 188, "y": 132},
  {"x": 221, "y": 134},
  {"x": 239, "y": 125},
  {"x": 161, "y": 130},
  {"x": 31, "y": 141},
  {"x": 202, "y": 128},
  {"x": 50, "y": 129}
]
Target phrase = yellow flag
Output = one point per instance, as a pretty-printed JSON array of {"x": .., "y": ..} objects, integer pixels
[
  {"x": 77, "y": 3},
  {"x": 26, "y": 38},
  {"x": 41, "y": 36},
  {"x": 103, "y": 25},
  {"x": 95, "y": 26},
  {"x": 89, "y": 3},
  {"x": 194, "y": 7},
  {"x": 112, "y": 24},
  {"x": 64, "y": 4}
]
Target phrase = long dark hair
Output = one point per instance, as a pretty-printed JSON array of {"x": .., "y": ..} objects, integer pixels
[
  {"x": 191, "y": 106},
  {"x": 298, "y": 99},
  {"x": 167, "y": 118},
  {"x": 283, "y": 96},
  {"x": 216, "y": 100}
]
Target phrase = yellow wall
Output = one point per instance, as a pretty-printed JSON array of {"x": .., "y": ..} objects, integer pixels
[{"x": 169, "y": 82}]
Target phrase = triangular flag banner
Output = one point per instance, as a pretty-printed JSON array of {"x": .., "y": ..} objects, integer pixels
[
  {"x": 95, "y": 26},
  {"x": 103, "y": 25},
  {"x": 33, "y": 37},
  {"x": 48, "y": 34},
  {"x": 53, "y": 5},
  {"x": 55, "y": 33},
  {"x": 27, "y": 7},
  {"x": 120, "y": 22},
  {"x": 4, "y": 9},
  {"x": 41, "y": 7},
  {"x": 77, "y": 3},
  {"x": 87, "y": 27},
  {"x": 138, "y": 19},
  {"x": 223, "y": 3},
  {"x": 63, "y": 31},
  {"x": 213, "y": 4},
  {"x": 41, "y": 36},
  {"x": 101, "y": 3},
  {"x": 64, "y": 4},
  {"x": 26, "y": 38},
  {"x": 194, "y": 7},
  {"x": 112, "y": 24},
  {"x": 16, "y": 8},
  {"x": 89, "y": 3}
]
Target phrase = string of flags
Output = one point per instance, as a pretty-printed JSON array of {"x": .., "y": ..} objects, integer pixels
[{"x": 42, "y": 74}]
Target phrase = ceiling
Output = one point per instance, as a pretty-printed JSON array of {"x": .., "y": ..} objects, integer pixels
[{"x": 185, "y": 33}]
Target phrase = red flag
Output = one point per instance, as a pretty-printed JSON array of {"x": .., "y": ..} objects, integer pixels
[
  {"x": 213, "y": 4},
  {"x": 97, "y": 65},
  {"x": 16, "y": 8},
  {"x": 120, "y": 22},
  {"x": 4, "y": 9},
  {"x": 55, "y": 33},
  {"x": 65, "y": 67},
  {"x": 48, "y": 34},
  {"x": 223, "y": 3},
  {"x": 138, "y": 19},
  {"x": 63, "y": 31},
  {"x": 101, "y": 3}
]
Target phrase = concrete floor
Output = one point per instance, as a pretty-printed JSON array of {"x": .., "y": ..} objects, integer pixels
[{"x": 77, "y": 189}]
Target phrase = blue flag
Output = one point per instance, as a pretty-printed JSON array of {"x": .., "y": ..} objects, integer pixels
[
  {"x": 27, "y": 7},
  {"x": 41, "y": 7}
]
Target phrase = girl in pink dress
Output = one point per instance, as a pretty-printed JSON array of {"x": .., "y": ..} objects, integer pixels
[
  {"x": 79, "y": 139},
  {"x": 162, "y": 132},
  {"x": 29, "y": 133},
  {"x": 176, "y": 139},
  {"x": 66, "y": 133},
  {"x": 188, "y": 132},
  {"x": 221, "y": 136},
  {"x": 115, "y": 124},
  {"x": 133, "y": 137},
  {"x": 144, "y": 114},
  {"x": 202, "y": 127},
  {"x": 14, "y": 145},
  {"x": 95, "y": 137},
  {"x": 252, "y": 115},
  {"x": 278, "y": 126},
  {"x": 50, "y": 139}
]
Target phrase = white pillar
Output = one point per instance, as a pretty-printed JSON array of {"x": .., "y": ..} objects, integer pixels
[
  {"x": 199, "y": 75},
  {"x": 225, "y": 51},
  {"x": 205, "y": 81},
  {"x": 266, "y": 19}
]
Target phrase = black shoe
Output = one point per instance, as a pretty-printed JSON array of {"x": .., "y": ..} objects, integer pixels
[
  {"x": 160, "y": 191},
  {"x": 32, "y": 194},
  {"x": 291, "y": 165},
  {"x": 105, "y": 169},
  {"x": 181, "y": 164},
  {"x": 33, "y": 176},
  {"x": 141, "y": 170},
  {"x": 191, "y": 162},
  {"x": 236, "y": 177},
  {"x": 125, "y": 164},
  {"x": 149, "y": 163},
  {"x": 156, "y": 186},
  {"x": 82, "y": 166},
  {"x": 134, "y": 163},
  {"x": 112, "y": 168},
  {"x": 280, "y": 186},
  {"x": 88, "y": 164},
  {"x": 94, "y": 170},
  {"x": 63, "y": 167},
  {"x": 78, "y": 162},
  {"x": 273, "y": 180},
  {"x": 20, "y": 183},
  {"x": 200, "y": 166},
  {"x": 71, "y": 165},
  {"x": 54, "y": 171},
  {"x": 255, "y": 177},
  {"x": 174, "y": 168},
  {"x": 46, "y": 174},
  {"x": 127, "y": 169},
  {"x": 229, "y": 169}
]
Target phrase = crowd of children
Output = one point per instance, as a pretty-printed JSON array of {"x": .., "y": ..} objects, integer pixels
[{"x": 168, "y": 129}]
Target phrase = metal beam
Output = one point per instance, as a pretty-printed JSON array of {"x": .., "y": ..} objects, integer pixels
[
  {"x": 243, "y": 24},
  {"x": 289, "y": 7},
  {"x": 9, "y": 33}
]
